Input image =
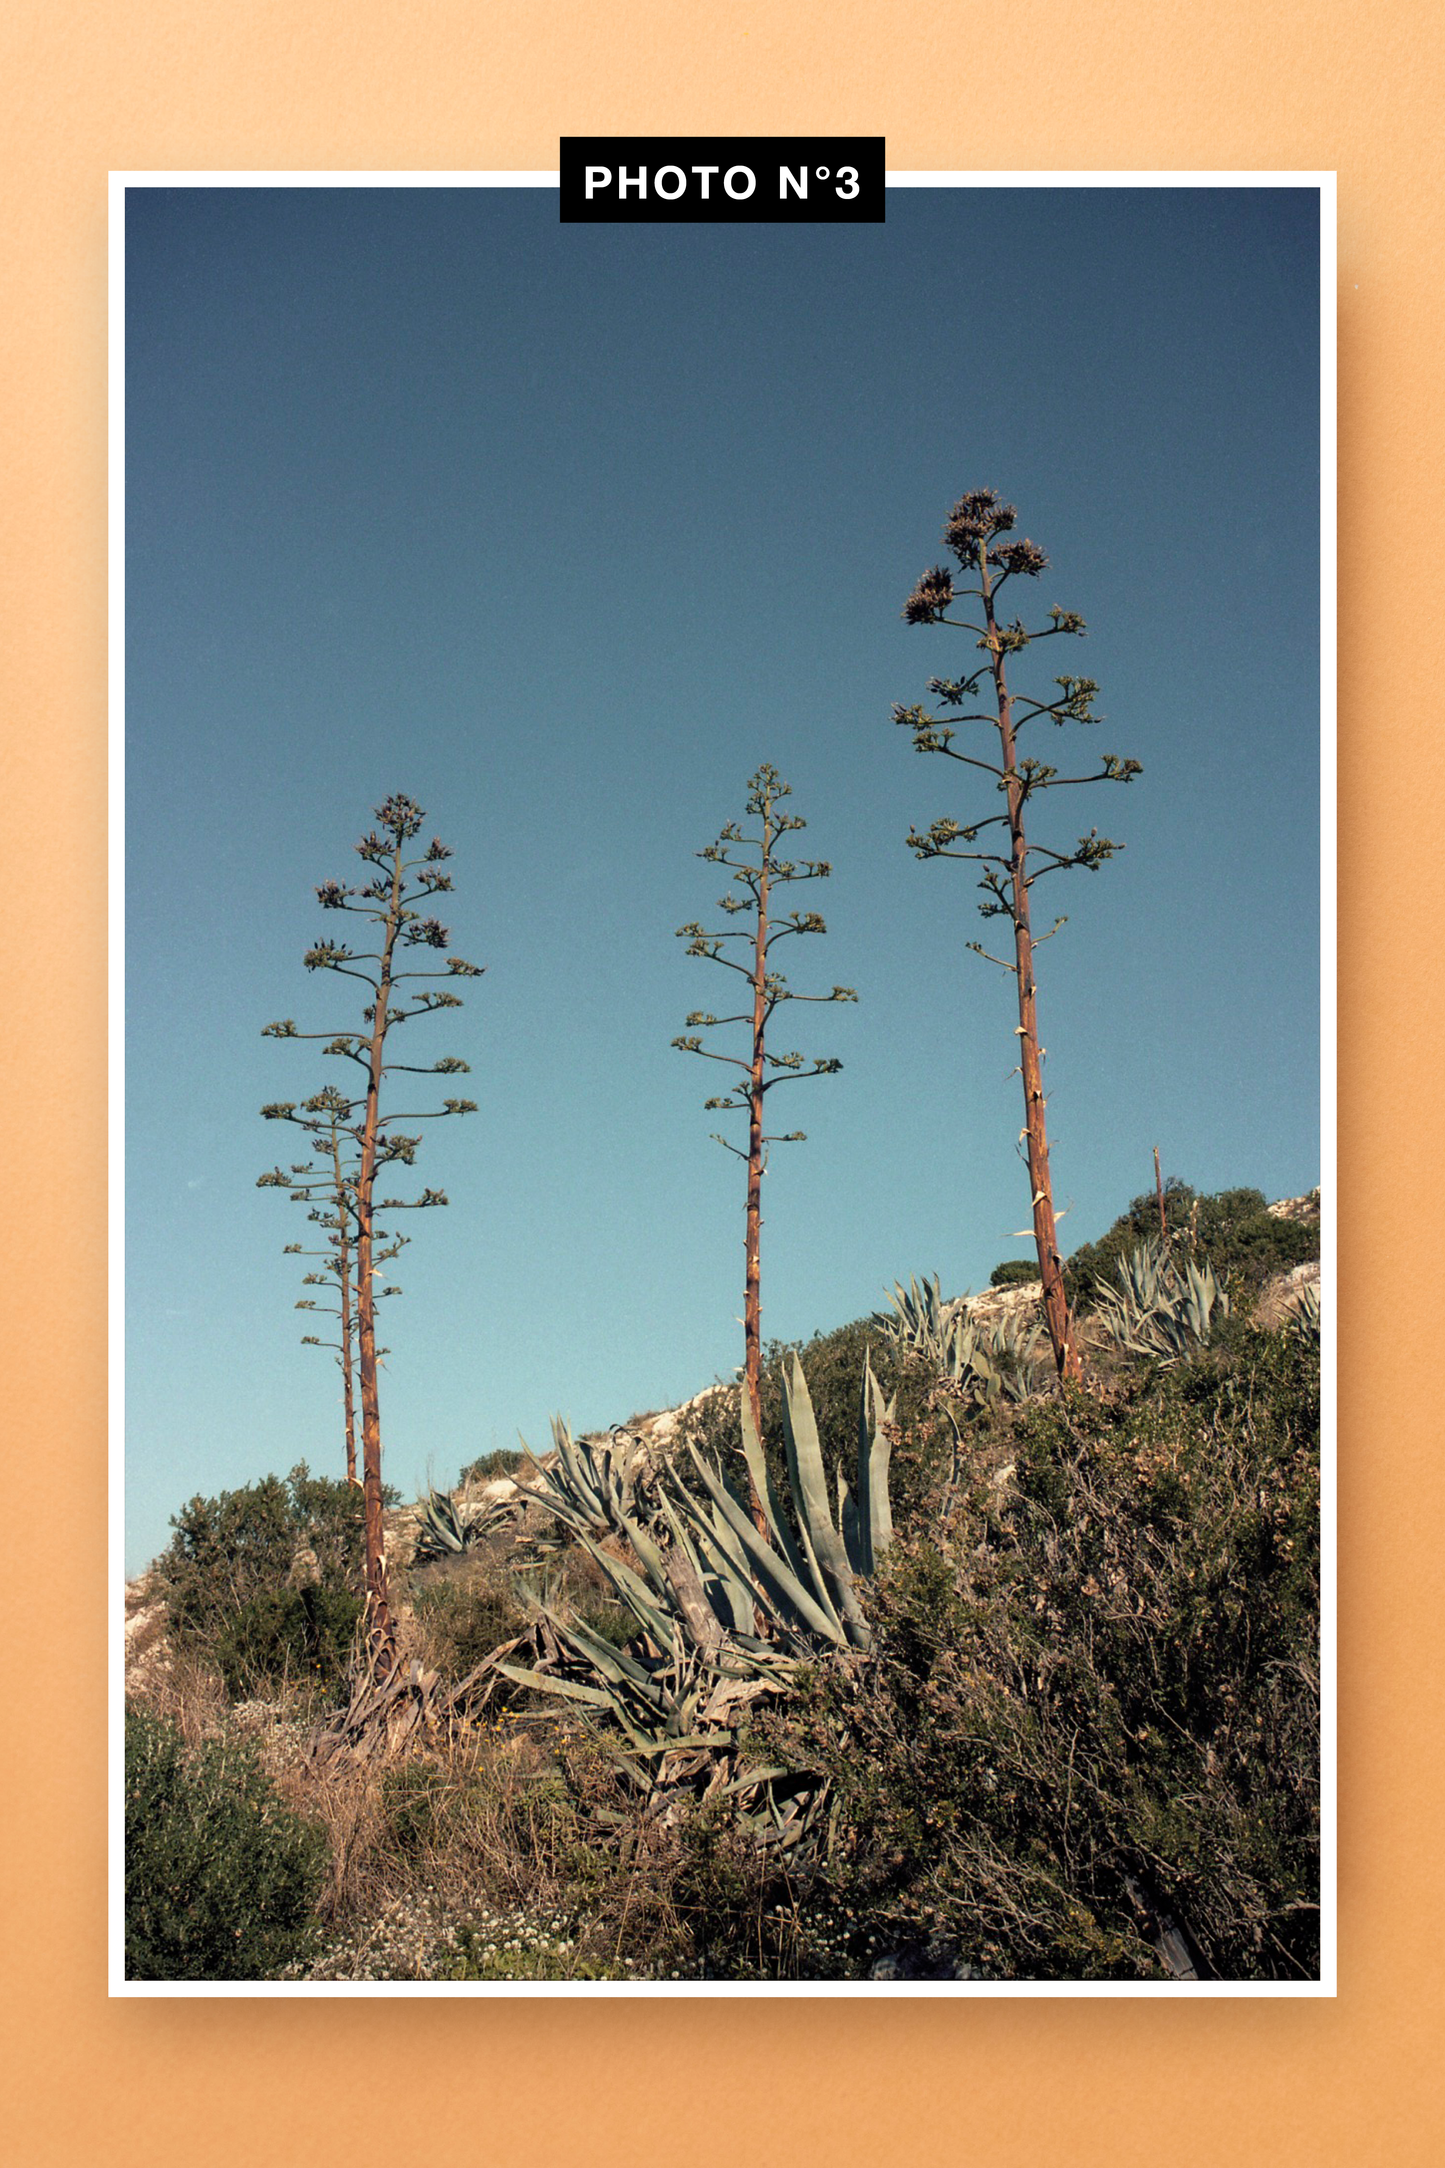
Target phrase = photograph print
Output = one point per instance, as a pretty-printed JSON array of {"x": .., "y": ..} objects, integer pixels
[{"x": 598, "y": 1517}]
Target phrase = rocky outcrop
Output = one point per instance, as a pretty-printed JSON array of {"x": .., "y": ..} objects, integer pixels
[
  {"x": 1297, "y": 1208},
  {"x": 1021, "y": 1303},
  {"x": 147, "y": 1644},
  {"x": 1001, "y": 1305},
  {"x": 660, "y": 1431}
]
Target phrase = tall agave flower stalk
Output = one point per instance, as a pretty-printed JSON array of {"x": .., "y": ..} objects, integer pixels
[
  {"x": 388, "y": 904},
  {"x": 759, "y": 871},
  {"x": 1011, "y": 871}
]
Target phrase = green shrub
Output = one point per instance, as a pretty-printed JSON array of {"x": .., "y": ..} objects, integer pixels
[
  {"x": 1014, "y": 1272},
  {"x": 229, "y": 1581},
  {"x": 721, "y": 1907},
  {"x": 1233, "y": 1229},
  {"x": 506, "y": 1460},
  {"x": 1103, "y": 1674},
  {"x": 221, "y": 1880},
  {"x": 467, "y": 1605},
  {"x": 287, "y": 1635}
]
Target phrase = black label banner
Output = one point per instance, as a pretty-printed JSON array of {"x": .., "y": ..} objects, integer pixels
[{"x": 757, "y": 180}]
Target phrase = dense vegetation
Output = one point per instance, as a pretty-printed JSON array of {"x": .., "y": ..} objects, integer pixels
[
  {"x": 1234, "y": 1229},
  {"x": 265, "y": 1581},
  {"x": 1096, "y": 1691},
  {"x": 221, "y": 1881}
]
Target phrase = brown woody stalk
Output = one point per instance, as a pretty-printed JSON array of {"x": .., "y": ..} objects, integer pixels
[
  {"x": 388, "y": 901},
  {"x": 1041, "y": 1185},
  {"x": 757, "y": 873},
  {"x": 1008, "y": 878}
]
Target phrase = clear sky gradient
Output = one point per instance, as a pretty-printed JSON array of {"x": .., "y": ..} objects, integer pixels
[{"x": 562, "y": 531}]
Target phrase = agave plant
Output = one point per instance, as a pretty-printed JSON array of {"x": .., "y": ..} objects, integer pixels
[
  {"x": 587, "y": 1487},
  {"x": 725, "y": 1612},
  {"x": 447, "y": 1529},
  {"x": 991, "y": 1362},
  {"x": 1305, "y": 1315},
  {"x": 1160, "y": 1308},
  {"x": 922, "y": 1321},
  {"x": 983, "y": 1362},
  {"x": 806, "y": 1567}
]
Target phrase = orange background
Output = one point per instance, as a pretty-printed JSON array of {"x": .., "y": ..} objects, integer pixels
[{"x": 181, "y": 84}]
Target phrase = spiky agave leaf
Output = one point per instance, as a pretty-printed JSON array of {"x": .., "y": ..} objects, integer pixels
[
  {"x": 984, "y": 1362},
  {"x": 921, "y": 1319},
  {"x": 1306, "y": 1314},
  {"x": 824, "y": 1544},
  {"x": 766, "y": 1491},
  {"x": 714, "y": 1598},
  {"x": 585, "y": 1487},
  {"x": 728, "y": 1581},
  {"x": 872, "y": 1512},
  {"x": 994, "y": 1361},
  {"x": 649, "y": 1605},
  {"x": 442, "y": 1523}
]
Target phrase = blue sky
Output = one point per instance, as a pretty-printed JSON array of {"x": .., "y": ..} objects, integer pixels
[{"x": 562, "y": 531}]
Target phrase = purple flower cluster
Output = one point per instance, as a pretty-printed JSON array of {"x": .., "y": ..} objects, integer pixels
[
  {"x": 973, "y": 519},
  {"x": 401, "y": 815},
  {"x": 930, "y": 598},
  {"x": 1022, "y": 556}
]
